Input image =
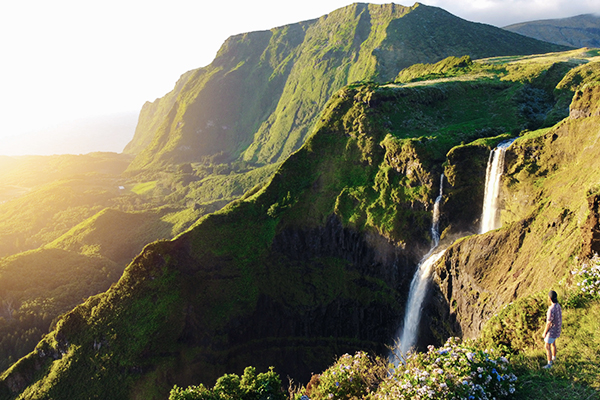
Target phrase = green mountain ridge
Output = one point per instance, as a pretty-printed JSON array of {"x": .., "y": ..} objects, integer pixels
[
  {"x": 259, "y": 99},
  {"x": 320, "y": 236},
  {"x": 73, "y": 213},
  {"x": 318, "y": 262}
]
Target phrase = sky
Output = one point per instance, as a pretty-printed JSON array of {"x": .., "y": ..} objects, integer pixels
[{"x": 66, "y": 65}]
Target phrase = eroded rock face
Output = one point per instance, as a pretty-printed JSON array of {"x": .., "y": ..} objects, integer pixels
[
  {"x": 585, "y": 103},
  {"x": 474, "y": 278},
  {"x": 325, "y": 291},
  {"x": 591, "y": 228}
]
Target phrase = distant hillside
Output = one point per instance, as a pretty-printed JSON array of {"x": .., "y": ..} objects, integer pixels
[
  {"x": 579, "y": 31},
  {"x": 74, "y": 223},
  {"x": 258, "y": 100}
]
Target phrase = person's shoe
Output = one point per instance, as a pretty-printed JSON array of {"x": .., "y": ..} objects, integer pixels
[{"x": 548, "y": 366}]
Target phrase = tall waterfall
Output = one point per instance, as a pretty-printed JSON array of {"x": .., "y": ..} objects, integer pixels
[
  {"x": 495, "y": 169},
  {"x": 419, "y": 284},
  {"x": 418, "y": 289}
]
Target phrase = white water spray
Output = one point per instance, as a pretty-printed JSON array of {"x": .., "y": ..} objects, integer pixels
[
  {"x": 435, "y": 223},
  {"x": 495, "y": 169},
  {"x": 420, "y": 282},
  {"x": 418, "y": 289}
]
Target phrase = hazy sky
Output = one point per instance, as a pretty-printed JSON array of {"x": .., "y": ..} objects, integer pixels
[{"x": 63, "y": 60}]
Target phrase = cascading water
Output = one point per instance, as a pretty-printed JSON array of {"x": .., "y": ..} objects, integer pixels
[
  {"x": 419, "y": 284},
  {"x": 495, "y": 169},
  {"x": 418, "y": 289}
]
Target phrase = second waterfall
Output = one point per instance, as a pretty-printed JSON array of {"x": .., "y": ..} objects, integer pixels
[{"x": 495, "y": 169}]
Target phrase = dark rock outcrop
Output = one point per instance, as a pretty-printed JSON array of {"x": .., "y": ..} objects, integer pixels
[{"x": 591, "y": 227}]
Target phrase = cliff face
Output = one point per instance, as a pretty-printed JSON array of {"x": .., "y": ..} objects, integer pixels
[
  {"x": 276, "y": 279},
  {"x": 259, "y": 99}
]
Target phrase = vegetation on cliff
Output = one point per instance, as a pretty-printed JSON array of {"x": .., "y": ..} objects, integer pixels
[
  {"x": 482, "y": 369},
  {"x": 260, "y": 87},
  {"x": 76, "y": 222},
  {"x": 519, "y": 326},
  {"x": 477, "y": 368},
  {"x": 339, "y": 226}
]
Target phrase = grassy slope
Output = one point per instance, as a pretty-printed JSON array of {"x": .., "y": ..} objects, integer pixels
[
  {"x": 42, "y": 215},
  {"x": 550, "y": 180},
  {"x": 576, "y": 373},
  {"x": 34, "y": 171},
  {"x": 545, "y": 226},
  {"x": 323, "y": 65},
  {"x": 39, "y": 285},
  {"x": 74, "y": 203}
]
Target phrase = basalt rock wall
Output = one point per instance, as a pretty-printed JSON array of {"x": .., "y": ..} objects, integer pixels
[{"x": 354, "y": 287}]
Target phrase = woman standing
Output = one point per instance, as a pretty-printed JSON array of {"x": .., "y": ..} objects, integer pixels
[{"x": 553, "y": 327}]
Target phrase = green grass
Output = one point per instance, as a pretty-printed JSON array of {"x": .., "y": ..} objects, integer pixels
[
  {"x": 448, "y": 68},
  {"x": 144, "y": 187},
  {"x": 576, "y": 373},
  {"x": 273, "y": 84}
]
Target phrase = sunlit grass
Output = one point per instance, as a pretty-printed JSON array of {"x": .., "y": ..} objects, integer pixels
[
  {"x": 143, "y": 188},
  {"x": 576, "y": 372},
  {"x": 8, "y": 192},
  {"x": 578, "y": 56}
]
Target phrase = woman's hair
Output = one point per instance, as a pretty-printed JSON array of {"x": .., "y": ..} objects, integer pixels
[{"x": 553, "y": 296}]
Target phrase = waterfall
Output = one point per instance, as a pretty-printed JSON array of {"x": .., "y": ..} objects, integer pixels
[
  {"x": 495, "y": 169},
  {"x": 419, "y": 284},
  {"x": 435, "y": 223},
  {"x": 418, "y": 289}
]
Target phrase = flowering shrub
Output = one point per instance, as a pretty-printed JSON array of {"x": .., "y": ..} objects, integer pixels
[
  {"x": 264, "y": 386},
  {"x": 455, "y": 371},
  {"x": 350, "y": 377},
  {"x": 589, "y": 277}
]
